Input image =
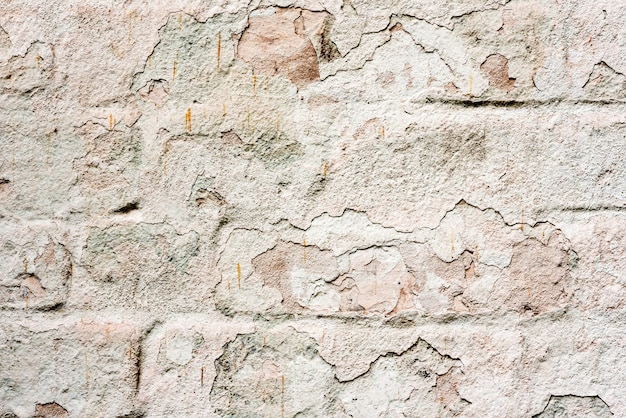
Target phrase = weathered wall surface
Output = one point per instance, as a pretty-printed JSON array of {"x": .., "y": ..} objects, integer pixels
[{"x": 312, "y": 209}]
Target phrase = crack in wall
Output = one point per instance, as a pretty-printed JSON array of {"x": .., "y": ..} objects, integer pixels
[{"x": 575, "y": 405}]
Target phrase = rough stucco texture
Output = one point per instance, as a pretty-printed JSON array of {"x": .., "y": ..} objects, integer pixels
[{"x": 313, "y": 209}]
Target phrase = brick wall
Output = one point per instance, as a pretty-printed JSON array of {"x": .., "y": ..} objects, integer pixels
[{"x": 312, "y": 209}]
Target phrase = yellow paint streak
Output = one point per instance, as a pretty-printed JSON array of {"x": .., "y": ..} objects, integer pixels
[
  {"x": 383, "y": 131},
  {"x": 110, "y": 122},
  {"x": 238, "y": 276},
  {"x": 175, "y": 67},
  {"x": 38, "y": 61},
  {"x": 188, "y": 120},
  {"x": 180, "y": 21},
  {"x": 254, "y": 83},
  {"x": 25, "y": 265},
  {"x": 219, "y": 49},
  {"x": 325, "y": 169},
  {"x": 522, "y": 224}
]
